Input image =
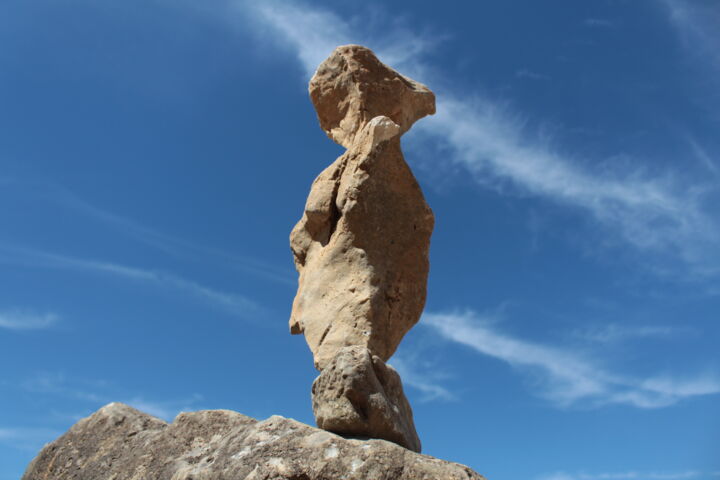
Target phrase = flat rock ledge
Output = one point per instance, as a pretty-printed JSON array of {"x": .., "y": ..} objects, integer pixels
[{"x": 120, "y": 443}]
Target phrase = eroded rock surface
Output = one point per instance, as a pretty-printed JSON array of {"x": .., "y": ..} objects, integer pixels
[
  {"x": 352, "y": 87},
  {"x": 358, "y": 394},
  {"x": 361, "y": 247},
  {"x": 120, "y": 443}
]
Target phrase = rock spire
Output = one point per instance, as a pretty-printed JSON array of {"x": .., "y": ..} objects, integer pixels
[{"x": 361, "y": 247}]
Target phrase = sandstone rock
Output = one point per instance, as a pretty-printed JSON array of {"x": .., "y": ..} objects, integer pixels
[
  {"x": 120, "y": 443},
  {"x": 352, "y": 87},
  {"x": 362, "y": 245},
  {"x": 358, "y": 394}
]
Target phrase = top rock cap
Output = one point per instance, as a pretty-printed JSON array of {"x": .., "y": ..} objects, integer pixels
[{"x": 351, "y": 87}]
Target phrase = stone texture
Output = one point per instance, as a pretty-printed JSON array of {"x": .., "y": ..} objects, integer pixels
[
  {"x": 361, "y": 247},
  {"x": 358, "y": 394},
  {"x": 120, "y": 443},
  {"x": 352, "y": 87}
]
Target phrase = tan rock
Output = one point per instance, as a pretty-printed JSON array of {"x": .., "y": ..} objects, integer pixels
[
  {"x": 352, "y": 87},
  {"x": 358, "y": 394},
  {"x": 120, "y": 443},
  {"x": 361, "y": 247}
]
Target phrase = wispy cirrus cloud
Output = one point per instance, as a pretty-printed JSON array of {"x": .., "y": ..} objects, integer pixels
[
  {"x": 169, "y": 244},
  {"x": 234, "y": 303},
  {"x": 315, "y": 32},
  {"x": 529, "y": 74},
  {"x": 564, "y": 376},
  {"x": 426, "y": 380},
  {"x": 27, "y": 438},
  {"x": 613, "y": 333},
  {"x": 657, "y": 214},
  {"x": 599, "y": 23},
  {"x": 698, "y": 25},
  {"x": 632, "y": 475},
  {"x": 702, "y": 155},
  {"x": 21, "y": 319},
  {"x": 95, "y": 393}
]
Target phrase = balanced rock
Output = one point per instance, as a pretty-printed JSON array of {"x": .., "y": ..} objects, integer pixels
[
  {"x": 361, "y": 247},
  {"x": 352, "y": 87},
  {"x": 120, "y": 443},
  {"x": 358, "y": 394}
]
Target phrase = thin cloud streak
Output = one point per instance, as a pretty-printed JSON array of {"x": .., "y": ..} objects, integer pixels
[
  {"x": 234, "y": 303},
  {"x": 599, "y": 23},
  {"x": 27, "y": 438},
  {"x": 27, "y": 320},
  {"x": 654, "y": 214},
  {"x": 698, "y": 27},
  {"x": 166, "y": 410},
  {"x": 649, "y": 213},
  {"x": 702, "y": 155},
  {"x": 167, "y": 243},
  {"x": 614, "y": 332},
  {"x": 565, "y": 377},
  {"x": 631, "y": 475},
  {"x": 424, "y": 381},
  {"x": 98, "y": 393},
  {"x": 313, "y": 33},
  {"x": 525, "y": 73}
]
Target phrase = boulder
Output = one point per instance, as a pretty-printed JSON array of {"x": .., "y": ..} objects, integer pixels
[
  {"x": 120, "y": 443},
  {"x": 358, "y": 394},
  {"x": 351, "y": 87}
]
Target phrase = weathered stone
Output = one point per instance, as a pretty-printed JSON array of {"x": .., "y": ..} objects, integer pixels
[
  {"x": 358, "y": 394},
  {"x": 362, "y": 244},
  {"x": 352, "y": 86},
  {"x": 120, "y": 443}
]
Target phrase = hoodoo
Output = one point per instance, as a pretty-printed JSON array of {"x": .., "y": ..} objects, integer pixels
[{"x": 361, "y": 247}]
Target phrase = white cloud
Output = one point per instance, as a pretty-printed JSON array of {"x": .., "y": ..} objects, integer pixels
[
  {"x": 98, "y": 393},
  {"x": 526, "y": 73},
  {"x": 167, "y": 410},
  {"x": 27, "y": 320},
  {"x": 702, "y": 155},
  {"x": 169, "y": 244},
  {"x": 599, "y": 23},
  {"x": 234, "y": 303},
  {"x": 651, "y": 213},
  {"x": 630, "y": 475},
  {"x": 27, "y": 438},
  {"x": 567, "y": 377},
  {"x": 424, "y": 379},
  {"x": 616, "y": 333},
  {"x": 698, "y": 25},
  {"x": 313, "y": 33},
  {"x": 657, "y": 214}
]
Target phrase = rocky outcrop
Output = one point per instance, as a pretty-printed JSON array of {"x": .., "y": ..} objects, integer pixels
[
  {"x": 120, "y": 443},
  {"x": 361, "y": 247},
  {"x": 358, "y": 394}
]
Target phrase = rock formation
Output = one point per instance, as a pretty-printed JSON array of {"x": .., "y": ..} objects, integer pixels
[
  {"x": 120, "y": 443},
  {"x": 361, "y": 247}
]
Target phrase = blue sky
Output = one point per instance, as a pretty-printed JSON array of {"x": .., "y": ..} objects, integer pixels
[{"x": 156, "y": 154}]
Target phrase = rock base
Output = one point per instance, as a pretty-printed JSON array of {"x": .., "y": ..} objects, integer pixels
[
  {"x": 120, "y": 443},
  {"x": 358, "y": 394}
]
